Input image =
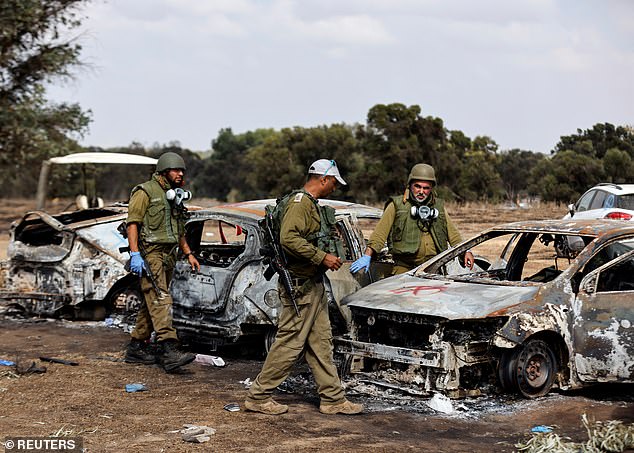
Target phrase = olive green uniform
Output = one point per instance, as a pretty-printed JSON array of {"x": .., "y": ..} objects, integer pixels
[
  {"x": 310, "y": 332},
  {"x": 152, "y": 213},
  {"x": 426, "y": 250}
]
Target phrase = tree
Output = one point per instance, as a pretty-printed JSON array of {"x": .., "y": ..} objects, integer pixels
[
  {"x": 565, "y": 176},
  {"x": 279, "y": 164},
  {"x": 514, "y": 167},
  {"x": 396, "y": 138},
  {"x": 35, "y": 49},
  {"x": 618, "y": 166},
  {"x": 227, "y": 171},
  {"x": 595, "y": 142}
]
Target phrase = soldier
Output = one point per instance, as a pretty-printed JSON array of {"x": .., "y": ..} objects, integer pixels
[
  {"x": 415, "y": 226},
  {"x": 310, "y": 332},
  {"x": 155, "y": 227}
]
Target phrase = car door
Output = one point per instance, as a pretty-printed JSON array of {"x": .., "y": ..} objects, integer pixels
[
  {"x": 220, "y": 245},
  {"x": 603, "y": 331}
]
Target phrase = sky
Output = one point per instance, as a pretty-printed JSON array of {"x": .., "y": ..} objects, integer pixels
[{"x": 523, "y": 72}]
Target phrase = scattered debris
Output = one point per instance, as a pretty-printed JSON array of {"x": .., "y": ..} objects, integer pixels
[
  {"x": 71, "y": 431},
  {"x": 30, "y": 369},
  {"x": 607, "y": 436},
  {"x": 542, "y": 429},
  {"x": 209, "y": 360},
  {"x": 247, "y": 383},
  {"x": 62, "y": 361},
  {"x": 131, "y": 388},
  {"x": 9, "y": 374},
  {"x": 441, "y": 403},
  {"x": 6, "y": 362},
  {"x": 197, "y": 434},
  {"x": 232, "y": 407}
]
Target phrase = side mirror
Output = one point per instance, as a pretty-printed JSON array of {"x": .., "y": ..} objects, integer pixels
[{"x": 571, "y": 209}]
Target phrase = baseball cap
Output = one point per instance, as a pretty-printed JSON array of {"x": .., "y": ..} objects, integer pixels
[{"x": 326, "y": 167}]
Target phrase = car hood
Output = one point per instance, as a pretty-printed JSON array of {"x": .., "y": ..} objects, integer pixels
[{"x": 447, "y": 299}]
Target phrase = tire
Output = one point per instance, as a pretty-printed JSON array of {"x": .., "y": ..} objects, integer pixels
[
  {"x": 125, "y": 303},
  {"x": 269, "y": 339},
  {"x": 529, "y": 369},
  {"x": 506, "y": 370}
]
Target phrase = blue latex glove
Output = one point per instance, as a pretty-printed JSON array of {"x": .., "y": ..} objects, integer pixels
[
  {"x": 136, "y": 263},
  {"x": 363, "y": 262}
]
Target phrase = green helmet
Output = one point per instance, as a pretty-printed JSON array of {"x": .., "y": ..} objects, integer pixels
[
  {"x": 422, "y": 172},
  {"x": 169, "y": 160}
]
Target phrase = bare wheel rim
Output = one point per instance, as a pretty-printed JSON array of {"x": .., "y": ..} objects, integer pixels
[{"x": 536, "y": 368}]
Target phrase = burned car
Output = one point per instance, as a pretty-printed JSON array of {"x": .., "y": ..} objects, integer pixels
[
  {"x": 229, "y": 299},
  {"x": 548, "y": 304},
  {"x": 70, "y": 265}
]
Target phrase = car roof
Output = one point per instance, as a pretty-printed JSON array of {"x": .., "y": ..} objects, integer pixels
[
  {"x": 569, "y": 226},
  {"x": 73, "y": 220},
  {"x": 617, "y": 189},
  {"x": 254, "y": 209}
]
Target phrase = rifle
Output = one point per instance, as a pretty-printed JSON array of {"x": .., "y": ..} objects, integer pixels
[
  {"x": 150, "y": 275},
  {"x": 276, "y": 259}
]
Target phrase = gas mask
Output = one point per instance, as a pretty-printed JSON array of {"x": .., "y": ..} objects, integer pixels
[
  {"x": 178, "y": 196},
  {"x": 424, "y": 213}
]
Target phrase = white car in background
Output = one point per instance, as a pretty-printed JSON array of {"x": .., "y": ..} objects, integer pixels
[{"x": 605, "y": 201}]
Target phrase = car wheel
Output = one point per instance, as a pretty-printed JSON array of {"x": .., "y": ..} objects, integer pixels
[
  {"x": 506, "y": 370},
  {"x": 534, "y": 368},
  {"x": 125, "y": 303},
  {"x": 269, "y": 339}
]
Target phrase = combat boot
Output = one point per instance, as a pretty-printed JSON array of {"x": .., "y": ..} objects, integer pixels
[
  {"x": 345, "y": 407},
  {"x": 172, "y": 357},
  {"x": 139, "y": 351}
]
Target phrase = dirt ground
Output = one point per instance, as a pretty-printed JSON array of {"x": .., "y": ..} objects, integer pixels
[{"x": 90, "y": 401}]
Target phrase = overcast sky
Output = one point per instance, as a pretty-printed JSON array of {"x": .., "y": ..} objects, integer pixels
[{"x": 523, "y": 72}]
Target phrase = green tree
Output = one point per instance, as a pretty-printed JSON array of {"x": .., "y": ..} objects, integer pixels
[
  {"x": 565, "y": 176},
  {"x": 514, "y": 167},
  {"x": 279, "y": 164},
  {"x": 479, "y": 179},
  {"x": 35, "y": 50},
  {"x": 226, "y": 172},
  {"x": 595, "y": 142},
  {"x": 618, "y": 166},
  {"x": 396, "y": 138}
]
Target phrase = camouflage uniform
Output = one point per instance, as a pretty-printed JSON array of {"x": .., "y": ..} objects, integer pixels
[{"x": 310, "y": 332}]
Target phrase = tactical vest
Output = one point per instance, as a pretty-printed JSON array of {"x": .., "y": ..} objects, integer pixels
[
  {"x": 404, "y": 237},
  {"x": 326, "y": 238},
  {"x": 160, "y": 225}
]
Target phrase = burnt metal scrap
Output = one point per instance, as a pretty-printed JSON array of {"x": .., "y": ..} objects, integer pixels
[{"x": 549, "y": 304}]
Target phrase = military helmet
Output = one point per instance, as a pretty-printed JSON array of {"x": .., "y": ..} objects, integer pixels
[
  {"x": 169, "y": 160},
  {"x": 422, "y": 172}
]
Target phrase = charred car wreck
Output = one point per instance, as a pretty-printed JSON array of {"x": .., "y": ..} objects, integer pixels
[
  {"x": 549, "y": 303},
  {"x": 71, "y": 265},
  {"x": 67, "y": 265},
  {"x": 230, "y": 299}
]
